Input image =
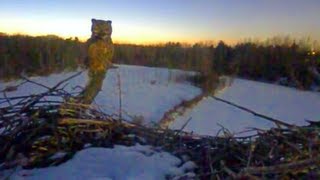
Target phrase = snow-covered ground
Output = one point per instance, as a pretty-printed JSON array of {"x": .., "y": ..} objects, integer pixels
[
  {"x": 120, "y": 163},
  {"x": 146, "y": 92},
  {"x": 287, "y": 104}
]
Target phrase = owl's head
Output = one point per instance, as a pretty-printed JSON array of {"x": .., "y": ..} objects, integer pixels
[{"x": 101, "y": 29}]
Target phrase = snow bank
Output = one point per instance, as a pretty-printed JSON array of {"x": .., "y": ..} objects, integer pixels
[
  {"x": 120, "y": 162},
  {"x": 146, "y": 92},
  {"x": 287, "y": 104}
]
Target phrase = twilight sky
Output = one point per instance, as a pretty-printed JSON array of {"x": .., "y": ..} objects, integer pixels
[{"x": 152, "y": 21}]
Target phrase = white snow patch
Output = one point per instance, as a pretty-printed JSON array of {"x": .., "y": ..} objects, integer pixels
[
  {"x": 287, "y": 104},
  {"x": 58, "y": 155},
  {"x": 120, "y": 163},
  {"x": 146, "y": 92}
]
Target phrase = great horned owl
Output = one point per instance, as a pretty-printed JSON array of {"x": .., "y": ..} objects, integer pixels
[{"x": 100, "y": 50}]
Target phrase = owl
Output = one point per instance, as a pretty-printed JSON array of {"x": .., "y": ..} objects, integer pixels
[{"x": 100, "y": 47}]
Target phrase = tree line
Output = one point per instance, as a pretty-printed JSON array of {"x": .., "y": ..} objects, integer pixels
[
  {"x": 41, "y": 55},
  {"x": 288, "y": 61}
]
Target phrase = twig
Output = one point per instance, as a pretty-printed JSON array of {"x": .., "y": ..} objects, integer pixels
[
  {"x": 183, "y": 126},
  {"x": 252, "y": 148},
  {"x": 276, "y": 121},
  {"x": 12, "y": 87},
  {"x": 7, "y": 99},
  {"x": 227, "y": 170},
  {"x": 33, "y": 82},
  {"x": 120, "y": 94},
  {"x": 49, "y": 91},
  {"x": 283, "y": 167}
]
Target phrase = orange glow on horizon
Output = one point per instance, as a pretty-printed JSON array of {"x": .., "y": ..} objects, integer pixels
[
  {"x": 129, "y": 32},
  {"x": 123, "y": 32},
  {"x": 128, "y": 40}
]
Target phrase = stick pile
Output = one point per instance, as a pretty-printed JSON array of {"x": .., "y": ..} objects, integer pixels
[{"x": 36, "y": 132}]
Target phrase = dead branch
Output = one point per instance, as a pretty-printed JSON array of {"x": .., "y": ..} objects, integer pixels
[
  {"x": 293, "y": 166},
  {"x": 276, "y": 121}
]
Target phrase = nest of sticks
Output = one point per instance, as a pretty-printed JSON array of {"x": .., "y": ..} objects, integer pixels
[{"x": 33, "y": 130}]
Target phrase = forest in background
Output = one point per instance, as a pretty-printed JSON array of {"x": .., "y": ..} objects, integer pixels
[
  {"x": 280, "y": 59},
  {"x": 41, "y": 55}
]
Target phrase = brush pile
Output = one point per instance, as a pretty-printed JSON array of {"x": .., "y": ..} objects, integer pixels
[{"x": 38, "y": 132}]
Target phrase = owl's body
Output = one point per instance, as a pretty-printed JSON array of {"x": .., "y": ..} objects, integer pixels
[
  {"x": 100, "y": 47},
  {"x": 100, "y": 52}
]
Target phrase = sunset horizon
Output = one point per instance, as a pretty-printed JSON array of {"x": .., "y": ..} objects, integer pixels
[
  {"x": 146, "y": 22},
  {"x": 181, "y": 41}
]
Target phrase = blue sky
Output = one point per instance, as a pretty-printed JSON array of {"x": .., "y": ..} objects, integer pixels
[{"x": 142, "y": 21}]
